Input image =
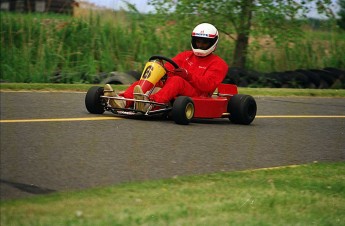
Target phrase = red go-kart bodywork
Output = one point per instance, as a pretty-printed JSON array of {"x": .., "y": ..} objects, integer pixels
[
  {"x": 224, "y": 103},
  {"x": 216, "y": 106}
]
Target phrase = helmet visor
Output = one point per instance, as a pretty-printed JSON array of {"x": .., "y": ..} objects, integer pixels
[{"x": 203, "y": 43}]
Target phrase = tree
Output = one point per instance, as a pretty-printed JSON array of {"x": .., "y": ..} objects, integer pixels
[{"x": 281, "y": 19}]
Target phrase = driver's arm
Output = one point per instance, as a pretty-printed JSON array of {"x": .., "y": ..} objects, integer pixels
[
  {"x": 209, "y": 79},
  {"x": 178, "y": 59}
]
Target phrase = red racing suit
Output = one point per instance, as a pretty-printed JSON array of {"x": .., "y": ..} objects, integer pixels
[{"x": 204, "y": 75}]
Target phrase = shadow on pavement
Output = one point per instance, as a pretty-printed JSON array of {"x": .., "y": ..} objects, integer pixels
[{"x": 29, "y": 188}]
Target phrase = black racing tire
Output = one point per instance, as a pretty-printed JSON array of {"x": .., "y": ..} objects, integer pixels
[
  {"x": 242, "y": 109},
  {"x": 326, "y": 77},
  {"x": 234, "y": 76},
  {"x": 135, "y": 74},
  {"x": 93, "y": 101},
  {"x": 314, "y": 79},
  {"x": 119, "y": 78},
  {"x": 183, "y": 110},
  {"x": 273, "y": 79},
  {"x": 335, "y": 71}
]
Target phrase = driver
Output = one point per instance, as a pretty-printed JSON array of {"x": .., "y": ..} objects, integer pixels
[{"x": 200, "y": 72}]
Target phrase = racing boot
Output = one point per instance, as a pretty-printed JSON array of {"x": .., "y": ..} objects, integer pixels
[
  {"x": 139, "y": 95},
  {"x": 109, "y": 92}
]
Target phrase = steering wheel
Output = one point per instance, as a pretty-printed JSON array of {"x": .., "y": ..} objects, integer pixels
[{"x": 158, "y": 57}]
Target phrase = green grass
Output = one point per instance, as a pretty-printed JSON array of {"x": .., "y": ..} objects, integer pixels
[
  {"x": 289, "y": 92},
  {"x": 312, "y": 194},
  {"x": 37, "y": 47},
  {"x": 51, "y": 87},
  {"x": 243, "y": 90}
]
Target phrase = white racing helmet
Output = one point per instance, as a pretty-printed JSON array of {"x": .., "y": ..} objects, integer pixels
[{"x": 205, "y": 31}]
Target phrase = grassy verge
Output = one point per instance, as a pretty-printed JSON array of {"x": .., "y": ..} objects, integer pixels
[
  {"x": 302, "y": 195},
  {"x": 293, "y": 92},
  {"x": 249, "y": 91},
  {"x": 51, "y": 87},
  {"x": 47, "y": 47}
]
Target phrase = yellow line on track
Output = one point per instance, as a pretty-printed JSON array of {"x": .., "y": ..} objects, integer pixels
[
  {"x": 59, "y": 119},
  {"x": 117, "y": 118}
]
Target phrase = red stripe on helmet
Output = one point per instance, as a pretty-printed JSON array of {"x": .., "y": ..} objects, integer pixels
[{"x": 204, "y": 35}]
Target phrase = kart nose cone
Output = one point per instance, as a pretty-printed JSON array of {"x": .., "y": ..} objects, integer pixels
[{"x": 152, "y": 73}]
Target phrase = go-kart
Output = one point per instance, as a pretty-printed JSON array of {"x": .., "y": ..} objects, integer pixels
[{"x": 224, "y": 103}]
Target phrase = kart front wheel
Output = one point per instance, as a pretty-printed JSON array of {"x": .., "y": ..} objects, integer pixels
[
  {"x": 242, "y": 109},
  {"x": 183, "y": 110},
  {"x": 93, "y": 101}
]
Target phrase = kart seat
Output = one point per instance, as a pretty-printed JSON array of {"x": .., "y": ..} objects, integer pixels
[{"x": 225, "y": 90}]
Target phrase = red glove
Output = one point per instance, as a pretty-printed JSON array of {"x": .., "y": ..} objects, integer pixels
[{"x": 183, "y": 73}]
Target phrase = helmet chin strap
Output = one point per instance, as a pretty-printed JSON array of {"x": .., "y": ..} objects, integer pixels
[{"x": 200, "y": 55}]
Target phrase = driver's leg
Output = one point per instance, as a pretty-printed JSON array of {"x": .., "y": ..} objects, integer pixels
[
  {"x": 109, "y": 92},
  {"x": 129, "y": 91},
  {"x": 129, "y": 94},
  {"x": 174, "y": 86}
]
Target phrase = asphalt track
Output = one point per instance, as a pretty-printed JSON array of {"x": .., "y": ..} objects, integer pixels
[{"x": 50, "y": 143}]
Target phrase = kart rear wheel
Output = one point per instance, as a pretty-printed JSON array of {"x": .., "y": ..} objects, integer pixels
[
  {"x": 93, "y": 101},
  {"x": 242, "y": 109},
  {"x": 183, "y": 110}
]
